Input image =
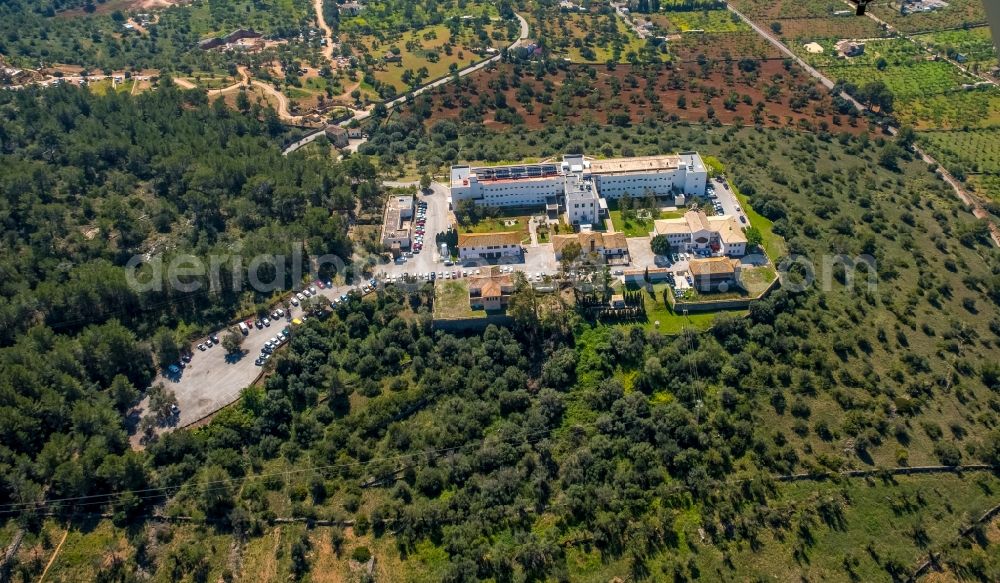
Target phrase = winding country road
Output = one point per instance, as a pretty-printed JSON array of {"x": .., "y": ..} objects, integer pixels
[{"x": 365, "y": 114}]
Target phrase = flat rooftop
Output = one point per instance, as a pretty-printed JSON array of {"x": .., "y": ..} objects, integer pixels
[{"x": 638, "y": 164}]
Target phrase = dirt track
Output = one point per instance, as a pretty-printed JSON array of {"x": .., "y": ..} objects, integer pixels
[{"x": 327, "y": 31}]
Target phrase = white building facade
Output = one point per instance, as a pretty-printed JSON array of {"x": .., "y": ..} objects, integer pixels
[
  {"x": 489, "y": 246},
  {"x": 579, "y": 178},
  {"x": 720, "y": 235}
]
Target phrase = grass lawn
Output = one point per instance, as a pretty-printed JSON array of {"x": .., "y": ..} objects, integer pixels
[
  {"x": 757, "y": 279},
  {"x": 670, "y": 322},
  {"x": 498, "y": 225},
  {"x": 634, "y": 227},
  {"x": 774, "y": 245},
  {"x": 451, "y": 301}
]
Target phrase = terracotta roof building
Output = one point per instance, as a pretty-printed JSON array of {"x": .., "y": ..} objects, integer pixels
[
  {"x": 696, "y": 231},
  {"x": 490, "y": 292},
  {"x": 472, "y": 246},
  {"x": 710, "y": 273},
  {"x": 600, "y": 245}
]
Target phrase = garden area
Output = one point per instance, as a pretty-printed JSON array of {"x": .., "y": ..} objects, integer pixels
[
  {"x": 661, "y": 317},
  {"x": 499, "y": 224}
]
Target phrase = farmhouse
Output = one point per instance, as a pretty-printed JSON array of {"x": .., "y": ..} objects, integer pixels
[
  {"x": 711, "y": 273},
  {"x": 476, "y": 246},
  {"x": 849, "y": 48},
  {"x": 396, "y": 223},
  {"x": 578, "y": 188},
  {"x": 490, "y": 292},
  {"x": 602, "y": 246},
  {"x": 351, "y": 8},
  {"x": 337, "y": 136},
  {"x": 696, "y": 231}
]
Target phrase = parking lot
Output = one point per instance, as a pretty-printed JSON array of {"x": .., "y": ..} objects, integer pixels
[
  {"x": 436, "y": 220},
  {"x": 727, "y": 200},
  {"x": 213, "y": 379}
]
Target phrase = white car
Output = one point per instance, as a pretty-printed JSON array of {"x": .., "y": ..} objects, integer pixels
[
  {"x": 300, "y": 297},
  {"x": 294, "y": 301},
  {"x": 312, "y": 290}
]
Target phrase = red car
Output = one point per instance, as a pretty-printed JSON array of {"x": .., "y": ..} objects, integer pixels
[{"x": 320, "y": 284}]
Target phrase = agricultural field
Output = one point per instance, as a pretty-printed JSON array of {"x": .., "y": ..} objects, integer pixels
[
  {"x": 424, "y": 54},
  {"x": 728, "y": 45},
  {"x": 584, "y": 38},
  {"x": 766, "y": 11},
  {"x": 975, "y": 45},
  {"x": 975, "y": 151},
  {"x": 799, "y": 22},
  {"x": 957, "y": 14},
  {"x": 901, "y": 64},
  {"x": 971, "y": 558},
  {"x": 399, "y": 46},
  {"x": 704, "y": 20},
  {"x": 986, "y": 186},
  {"x": 979, "y": 107},
  {"x": 769, "y": 95}
]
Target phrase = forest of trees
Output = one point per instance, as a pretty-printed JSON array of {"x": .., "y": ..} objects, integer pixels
[{"x": 177, "y": 175}]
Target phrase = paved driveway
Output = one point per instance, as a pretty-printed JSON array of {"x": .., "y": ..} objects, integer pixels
[{"x": 726, "y": 197}]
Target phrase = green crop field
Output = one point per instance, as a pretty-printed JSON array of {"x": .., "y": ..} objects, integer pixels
[
  {"x": 975, "y": 108},
  {"x": 976, "y": 151},
  {"x": 901, "y": 64},
  {"x": 958, "y": 13},
  {"x": 986, "y": 186},
  {"x": 706, "y": 20}
]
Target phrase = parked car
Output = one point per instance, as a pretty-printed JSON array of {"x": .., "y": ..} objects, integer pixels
[
  {"x": 244, "y": 328},
  {"x": 258, "y": 324},
  {"x": 202, "y": 347},
  {"x": 294, "y": 301},
  {"x": 312, "y": 290},
  {"x": 266, "y": 322},
  {"x": 174, "y": 369},
  {"x": 320, "y": 284},
  {"x": 743, "y": 219}
]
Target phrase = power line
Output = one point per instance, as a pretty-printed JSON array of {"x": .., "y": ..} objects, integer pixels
[{"x": 161, "y": 491}]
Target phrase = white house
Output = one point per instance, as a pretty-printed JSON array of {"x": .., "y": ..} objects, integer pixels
[
  {"x": 476, "y": 246},
  {"x": 397, "y": 222},
  {"x": 696, "y": 231}
]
